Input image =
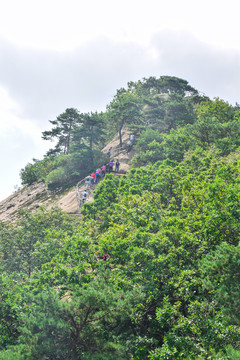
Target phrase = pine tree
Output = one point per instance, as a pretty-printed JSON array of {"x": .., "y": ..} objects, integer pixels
[{"x": 62, "y": 131}]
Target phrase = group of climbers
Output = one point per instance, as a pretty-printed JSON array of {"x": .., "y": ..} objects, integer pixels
[{"x": 95, "y": 177}]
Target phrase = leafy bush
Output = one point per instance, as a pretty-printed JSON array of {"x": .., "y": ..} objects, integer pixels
[{"x": 37, "y": 171}]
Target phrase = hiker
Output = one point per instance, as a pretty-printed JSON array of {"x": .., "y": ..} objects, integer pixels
[
  {"x": 129, "y": 146},
  {"x": 97, "y": 173},
  {"x": 110, "y": 164},
  {"x": 84, "y": 196},
  {"x": 93, "y": 178},
  {"x": 88, "y": 181},
  {"x": 109, "y": 152},
  {"x": 104, "y": 257},
  {"x": 132, "y": 138},
  {"x": 103, "y": 170},
  {"x": 117, "y": 163}
]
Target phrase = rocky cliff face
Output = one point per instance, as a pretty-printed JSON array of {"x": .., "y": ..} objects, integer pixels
[{"x": 32, "y": 197}]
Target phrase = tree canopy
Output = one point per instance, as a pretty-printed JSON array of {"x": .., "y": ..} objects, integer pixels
[{"x": 152, "y": 269}]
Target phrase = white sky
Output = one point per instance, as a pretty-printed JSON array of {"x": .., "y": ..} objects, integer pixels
[
  {"x": 64, "y": 24},
  {"x": 56, "y": 54}
]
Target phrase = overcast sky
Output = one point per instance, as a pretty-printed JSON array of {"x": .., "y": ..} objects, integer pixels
[{"x": 56, "y": 54}]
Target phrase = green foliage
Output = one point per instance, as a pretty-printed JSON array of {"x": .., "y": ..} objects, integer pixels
[
  {"x": 164, "y": 104},
  {"x": 157, "y": 238},
  {"x": 217, "y": 123},
  {"x": 37, "y": 171},
  {"x": 152, "y": 269},
  {"x": 19, "y": 245},
  {"x": 218, "y": 109},
  {"x": 221, "y": 271},
  {"x": 62, "y": 131},
  {"x": 57, "y": 176},
  {"x": 155, "y": 260},
  {"x": 75, "y": 154},
  {"x": 88, "y": 132},
  {"x": 179, "y": 112},
  {"x": 75, "y": 322},
  {"x": 124, "y": 110},
  {"x": 232, "y": 353},
  {"x": 169, "y": 102},
  {"x": 169, "y": 85},
  {"x": 70, "y": 168},
  {"x": 9, "y": 321},
  {"x": 195, "y": 335},
  {"x": 170, "y": 146}
]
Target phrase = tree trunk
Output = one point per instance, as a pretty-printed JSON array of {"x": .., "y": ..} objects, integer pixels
[
  {"x": 120, "y": 133},
  {"x": 68, "y": 139},
  {"x": 120, "y": 137},
  {"x": 91, "y": 138}
]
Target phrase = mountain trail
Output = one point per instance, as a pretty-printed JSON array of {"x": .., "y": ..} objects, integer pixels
[{"x": 32, "y": 197}]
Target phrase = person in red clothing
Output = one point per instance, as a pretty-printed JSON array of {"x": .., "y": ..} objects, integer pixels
[
  {"x": 104, "y": 257},
  {"x": 93, "y": 177}
]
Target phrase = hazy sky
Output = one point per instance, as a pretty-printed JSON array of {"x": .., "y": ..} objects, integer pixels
[{"x": 56, "y": 54}]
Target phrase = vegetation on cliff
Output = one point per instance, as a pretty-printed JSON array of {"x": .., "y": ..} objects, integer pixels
[{"x": 152, "y": 271}]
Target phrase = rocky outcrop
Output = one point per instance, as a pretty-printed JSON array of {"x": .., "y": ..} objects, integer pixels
[{"x": 32, "y": 197}]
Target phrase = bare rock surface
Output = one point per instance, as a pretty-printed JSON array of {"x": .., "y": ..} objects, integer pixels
[{"x": 29, "y": 198}]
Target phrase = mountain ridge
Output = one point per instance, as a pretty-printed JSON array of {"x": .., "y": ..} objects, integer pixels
[{"x": 32, "y": 197}]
